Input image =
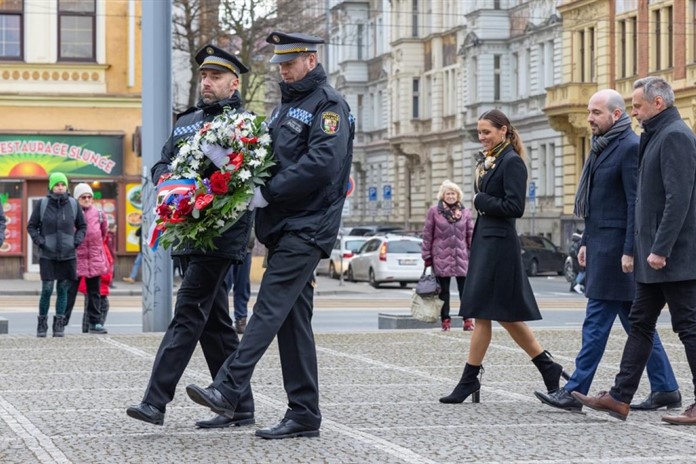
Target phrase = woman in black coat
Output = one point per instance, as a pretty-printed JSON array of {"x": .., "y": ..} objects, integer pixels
[{"x": 497, "y": 288}]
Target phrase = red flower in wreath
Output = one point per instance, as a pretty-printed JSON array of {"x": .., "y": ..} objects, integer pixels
[
  {"x": 219, "y": 181},
  {"x": 177, "y": 217},
  {"x": 249, "y": 139},
  {"x": 203, "y": 200},
  {"x": 206, "y": 128},
  {"x": 236, "y": 160},
  {"x": 185, "y": 206},
  {"x": 164, "y": 211}
]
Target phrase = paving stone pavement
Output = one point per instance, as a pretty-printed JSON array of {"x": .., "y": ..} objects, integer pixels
[{"x": 64, "y": 401}]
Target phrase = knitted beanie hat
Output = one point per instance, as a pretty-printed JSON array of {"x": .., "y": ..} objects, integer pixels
[
  {"x": 82, "y": 189},
  {"x": 56, "y": 177}
]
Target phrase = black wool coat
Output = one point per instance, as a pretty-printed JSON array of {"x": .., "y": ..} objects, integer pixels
[
  {"x": 497, "y": 287},
  {"x": 666, "y": 204}
]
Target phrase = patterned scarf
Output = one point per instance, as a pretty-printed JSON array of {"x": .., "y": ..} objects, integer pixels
[
  {"x": 452, "y": 213},
  {"x": 599, "y": 143},
  {"x": 486, "y": 161}
]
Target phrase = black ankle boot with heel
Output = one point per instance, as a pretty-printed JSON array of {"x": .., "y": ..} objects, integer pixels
[
  {"x": 469, "y": 384},
  {"x": 550, "y": 371}
]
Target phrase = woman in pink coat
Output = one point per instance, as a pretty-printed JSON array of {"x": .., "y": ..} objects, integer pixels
[
  {"x": 91, "y": 258},
  {"x": 446, "y": 242}
]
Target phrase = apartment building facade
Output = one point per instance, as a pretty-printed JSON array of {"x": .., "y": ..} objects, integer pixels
[
  {"x": 70, "y": 97},
  {"x": 418, "y": 74},
  {"x": 610, "y": 44}
]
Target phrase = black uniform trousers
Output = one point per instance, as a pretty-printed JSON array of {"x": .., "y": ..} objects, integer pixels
[
  {"x": 646, "y": 308},
  {"x": 284, "y": 307},
  {"x": 201, "y": 314}
]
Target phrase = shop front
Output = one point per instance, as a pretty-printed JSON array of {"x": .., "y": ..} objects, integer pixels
[{"x": 26, "y": 161}]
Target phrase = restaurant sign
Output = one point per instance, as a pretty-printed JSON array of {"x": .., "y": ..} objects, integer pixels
[{"x": 26, "y": 155}]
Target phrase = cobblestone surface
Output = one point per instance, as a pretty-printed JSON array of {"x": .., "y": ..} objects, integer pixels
[{"x": 64, "y": 400}]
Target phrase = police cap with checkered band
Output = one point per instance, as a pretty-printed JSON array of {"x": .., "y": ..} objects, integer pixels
[
  {"x": 212, "y": 57},
  {"x": 289, "y": 46}
]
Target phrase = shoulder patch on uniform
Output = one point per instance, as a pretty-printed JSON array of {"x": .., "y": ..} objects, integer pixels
[{"x": 330, "y": 122}]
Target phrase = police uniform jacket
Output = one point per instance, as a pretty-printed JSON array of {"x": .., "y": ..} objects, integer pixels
[
  {"x": 666, "y": 204},
  {"x": 232, "y": 243},
  {"x": 497, "y": 287},
  {"x": 312, "y": 132}
]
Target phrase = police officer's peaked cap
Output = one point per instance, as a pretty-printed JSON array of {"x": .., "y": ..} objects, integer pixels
[
  {"x": 288, "y": 46},
  {"x": 212, "y": 57}
]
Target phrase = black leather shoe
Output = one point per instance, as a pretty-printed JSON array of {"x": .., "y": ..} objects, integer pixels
[
  {"x": 146, "y": 413},
  {"x": 220, "y": 422},
  {"x": 560, "y": 399},
  {"x": 287, "y": 428},
  {"x": 657, "y": 400},
  {"x": 211, "y": 398}
]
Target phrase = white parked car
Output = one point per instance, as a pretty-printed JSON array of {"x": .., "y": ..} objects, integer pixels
[
  {"x": 388, "y": 258},
  {"x": 343, "y": 251}
]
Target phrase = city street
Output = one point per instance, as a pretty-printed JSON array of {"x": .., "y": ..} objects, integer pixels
[
  {"x": 339, "y": 308},
  {"x": 64, "y": 400}
]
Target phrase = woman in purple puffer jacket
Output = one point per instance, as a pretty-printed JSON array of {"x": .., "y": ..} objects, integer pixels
[
  {"x": 446, "y": 242},
  {"x": 91, "y": 258}
]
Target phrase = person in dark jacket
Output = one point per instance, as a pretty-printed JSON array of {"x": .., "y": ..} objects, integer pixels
[
  {"x": 57, "y": 228},
  {"x": 606, "y": 199},
  {"x": 447, "y": 234},
  {"x": 202, "y": 306},
  {"x": 665, "y": 226},
  {"x": 299, "y": 213},
  {"x": 3, "y": 224},
  {"x": 497, "y": 287}
]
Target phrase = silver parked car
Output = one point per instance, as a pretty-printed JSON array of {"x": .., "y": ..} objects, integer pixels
[
  {"x": 388, "y": 258},
  {"x": 343, "y": 252}
]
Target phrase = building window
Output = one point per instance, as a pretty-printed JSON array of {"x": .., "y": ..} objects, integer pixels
[
  {"x": 662, "y": 41},
  {"x": 414, "y": 18},
  {"x": 427, "y": 93},
  {"x": 516, "y": 83},
  {"x": 361, "y": 32},
  {"x": 628, "y": 43},
  {"x": 692, "y": 13},
  {"x": 585, "y": 51},
  {"x": 496, "y": 77},
  {"x": 76, "y": 30},
  {"x": 416, "y": 98},
  {"x": 450, "y": 91},
  {"x": 11, "y": 20}
]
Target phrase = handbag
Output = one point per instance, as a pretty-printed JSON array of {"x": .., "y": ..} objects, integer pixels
[
  {"x": 425, "y": 309},
  {"x": 427, "y": 285}
]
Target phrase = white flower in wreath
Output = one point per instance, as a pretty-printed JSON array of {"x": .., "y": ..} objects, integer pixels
[
  {"x": 220, "y": 223},
  {"x": 244, "y": 174},
  {"x": 260, "y": 153},
  {"x": 254, "y": 162},
  {"x": 265, "y": 139}
]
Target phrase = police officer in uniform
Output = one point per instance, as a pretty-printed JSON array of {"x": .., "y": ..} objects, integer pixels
[
  {"x": 299, "y": 213},
  {"x": 202, "y": 305}
]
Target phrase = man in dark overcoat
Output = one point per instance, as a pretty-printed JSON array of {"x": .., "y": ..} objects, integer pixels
[
  {"x": 299, "y": 213},
  {"x": 665, "y": 248},
  {"x": 606, "y": 201}
]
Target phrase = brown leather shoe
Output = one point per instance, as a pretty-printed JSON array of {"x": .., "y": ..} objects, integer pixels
[
  {"x": 688, "y": 417},
  {"x": 240, "y": 325},
  {"x": 604, "y": 402}
]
